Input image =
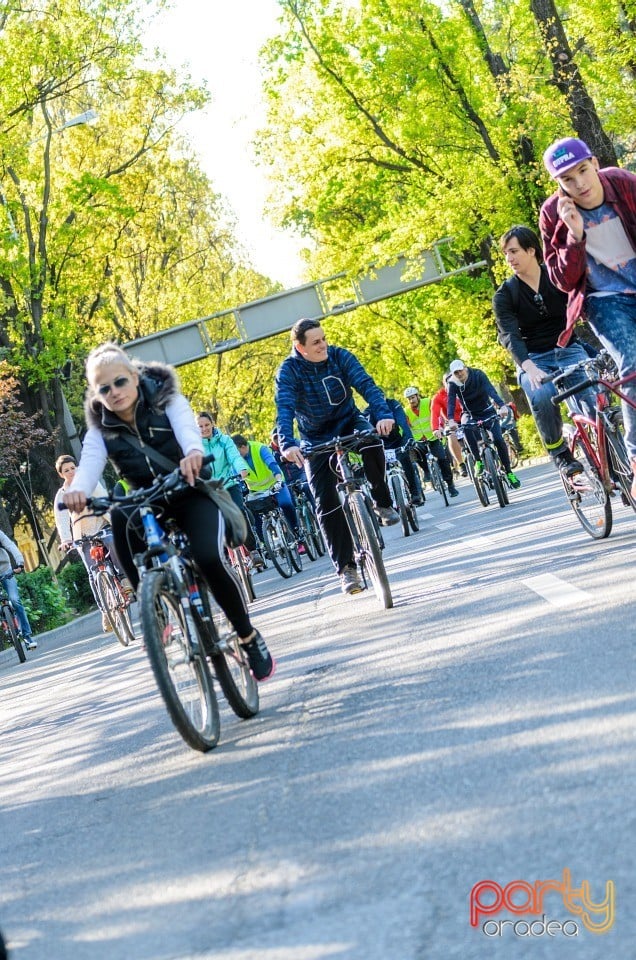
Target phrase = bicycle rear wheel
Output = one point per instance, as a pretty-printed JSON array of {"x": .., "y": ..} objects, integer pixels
[
  {"x": 182, "y": 674},
  {"x": 437, "y": 480},
  {"x": 12, "y": 633},
  {"x": 397, "y": 492},
  {"x": 277, "y": 547},
  {"x": 587, "y": 496},
  {"x": 371, "y": 554},
  {"x": 230, "y": 662},
  {"x": 491, "y": 466},
  {"x": 620, "y": 467},
  {"x": 112, "y": 605}
]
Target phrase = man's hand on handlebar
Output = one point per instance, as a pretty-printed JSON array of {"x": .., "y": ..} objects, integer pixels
[
  {"x": 294, "y": 455},
  {"x": 74, "y": 500},
  {"x": 534, "y": 374},
  {"x": 384, "y": 427},
  {"x": 191, "y": 466},
  {"x": 451, "y": 426}
]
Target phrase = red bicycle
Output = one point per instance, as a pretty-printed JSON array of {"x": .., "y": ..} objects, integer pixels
[{"x": 598, "y": 445}]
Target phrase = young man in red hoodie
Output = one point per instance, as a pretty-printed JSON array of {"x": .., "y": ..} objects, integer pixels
[{"x": 588, "y": 229}]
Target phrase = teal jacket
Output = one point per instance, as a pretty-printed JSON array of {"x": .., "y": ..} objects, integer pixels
[{"x": 228, "y": 462}]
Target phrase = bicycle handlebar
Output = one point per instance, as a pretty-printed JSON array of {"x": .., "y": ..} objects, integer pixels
[
  {"x": 163, "y": 484},
  {"x": 564, "y": 394},
  {"x": 348, "y": 442}
]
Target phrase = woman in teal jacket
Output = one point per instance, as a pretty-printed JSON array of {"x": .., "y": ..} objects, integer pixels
[{"x": 228, "y": 463}]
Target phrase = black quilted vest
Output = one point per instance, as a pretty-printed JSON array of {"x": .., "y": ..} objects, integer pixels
[{"x": 152, "y": 429}]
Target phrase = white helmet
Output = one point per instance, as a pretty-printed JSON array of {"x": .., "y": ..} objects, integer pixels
[{"x": 411, "y": 392}]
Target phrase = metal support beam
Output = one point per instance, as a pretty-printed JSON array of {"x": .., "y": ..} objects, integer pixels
[{"x": 259, "y": 319}]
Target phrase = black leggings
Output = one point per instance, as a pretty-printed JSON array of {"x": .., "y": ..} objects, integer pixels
[{"x": 199, "y": 518}]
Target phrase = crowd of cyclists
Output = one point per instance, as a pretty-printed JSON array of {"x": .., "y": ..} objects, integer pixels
[{"x": 139, "y": 420}]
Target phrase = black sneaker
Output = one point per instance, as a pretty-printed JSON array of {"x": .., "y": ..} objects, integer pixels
[
  {"x": 463, "y": 469},
  {"x": 452, "y": 490},
  {"x": 262, "y": 664},
  {"x": 567, "y": 464}
]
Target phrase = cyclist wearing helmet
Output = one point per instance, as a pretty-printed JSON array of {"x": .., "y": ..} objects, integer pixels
[{"x": 418, "y": 414}]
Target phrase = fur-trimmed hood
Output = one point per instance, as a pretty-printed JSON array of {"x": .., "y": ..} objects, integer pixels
[{"x": 158, "y": 384}]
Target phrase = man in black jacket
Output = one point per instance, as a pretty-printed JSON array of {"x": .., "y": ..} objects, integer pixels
[
  {"x": 477, "y": 395},
  {"x": 531, "y": 315}
]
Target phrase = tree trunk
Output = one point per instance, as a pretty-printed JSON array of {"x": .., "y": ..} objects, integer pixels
[{"x": 568, "y": 80}]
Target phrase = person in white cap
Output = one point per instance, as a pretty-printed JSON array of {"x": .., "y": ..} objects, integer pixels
[
  {"x": 588, "y": 228},
  {"x": 478, "y": 399}
]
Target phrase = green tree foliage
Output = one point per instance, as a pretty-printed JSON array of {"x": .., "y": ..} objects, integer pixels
[{"x": 393, "y": 124}]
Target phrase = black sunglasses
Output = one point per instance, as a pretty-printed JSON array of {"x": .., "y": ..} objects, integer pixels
[
  {"x": 540, "y": 302},
  {"x": 119, "y": 382}
]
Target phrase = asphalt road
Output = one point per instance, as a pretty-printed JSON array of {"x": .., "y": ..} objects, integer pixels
[{"x": 482, "y": 729}]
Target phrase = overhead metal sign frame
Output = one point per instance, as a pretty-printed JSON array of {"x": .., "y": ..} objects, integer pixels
[{"x": 259, "y": 319}]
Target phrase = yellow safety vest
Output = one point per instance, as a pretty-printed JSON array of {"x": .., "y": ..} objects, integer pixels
[
  {"x": 261, "y": 477},
  {"x": 420, "y": 423}
]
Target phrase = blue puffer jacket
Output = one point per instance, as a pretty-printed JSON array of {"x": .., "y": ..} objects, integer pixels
[{"x": 319, "y": 396}]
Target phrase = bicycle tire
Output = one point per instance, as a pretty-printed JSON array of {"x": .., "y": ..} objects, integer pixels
[
  {"x": 277, "y": 548},
  {"x": 184, "y": 679},
  {"x": 491, "y": 466},
  {"x": 371, "y": 553},
  {"x": 304, "y": 521},
  {"x": 109, "y": 604},
  {"x": 13, "y": 634},
  {"x": 437, "y": 479},
  {"x": 230, "y": 662},
  {"x": 398, "y": 500},
  {"x": 587, "y": 496},
  {"x": 620, "y": 466},
  {"x": 292, "y": 543},
  {"x": 512, "y": 453},
  {"x": 411, "y": 509},
  {"x": 478, "y": 484},
  {"x": 244, "y": 575}
]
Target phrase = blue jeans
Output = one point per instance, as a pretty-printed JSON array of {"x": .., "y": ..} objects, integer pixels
[
  {"x": 11, "y": 586},
  {"x": 285, "y": 502},
  {"x": 546, "y": 416},
  {"x": 613, "y": 320}
]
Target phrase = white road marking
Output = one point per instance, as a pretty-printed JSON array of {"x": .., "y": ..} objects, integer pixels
[
  {"x": 444, "y": 526},
  {"x": 478, "y": 543},
  {"x": 556, "y": 591}
]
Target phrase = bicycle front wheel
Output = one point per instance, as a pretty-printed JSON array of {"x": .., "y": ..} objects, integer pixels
[
  {"x": 587, "y": 496},
  {"x": 109, "y": 601},
  {"x": 620, "y": 467},
  {"x": 230, "y": 663},
  {"x": 277, "y": 547},
  {"x": 181, "y": 672},
  {"x": 491, "y": 466},
  {"x": 478, "y": 483},
  {"x": 512, "y": 453},
  {"x": 12, "y": 633},
  {"x": 307, "y": 528},
  {"x": 371, "y": 554},
  {"x": 292, "y": 543},
  {"x": 437, "y": 480},
  {"x": 244, "y": 574},
  {"x": 397, "y": 494}
]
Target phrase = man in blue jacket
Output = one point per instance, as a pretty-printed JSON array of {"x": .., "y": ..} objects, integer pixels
[
  {"x": 477, "y": 395},
  {"x": 313, "y": 385}
]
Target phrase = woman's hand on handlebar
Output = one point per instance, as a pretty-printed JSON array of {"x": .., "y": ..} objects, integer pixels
[
  {"x": 451, "y": 426},
  {"x": 190, "y": 466}
]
